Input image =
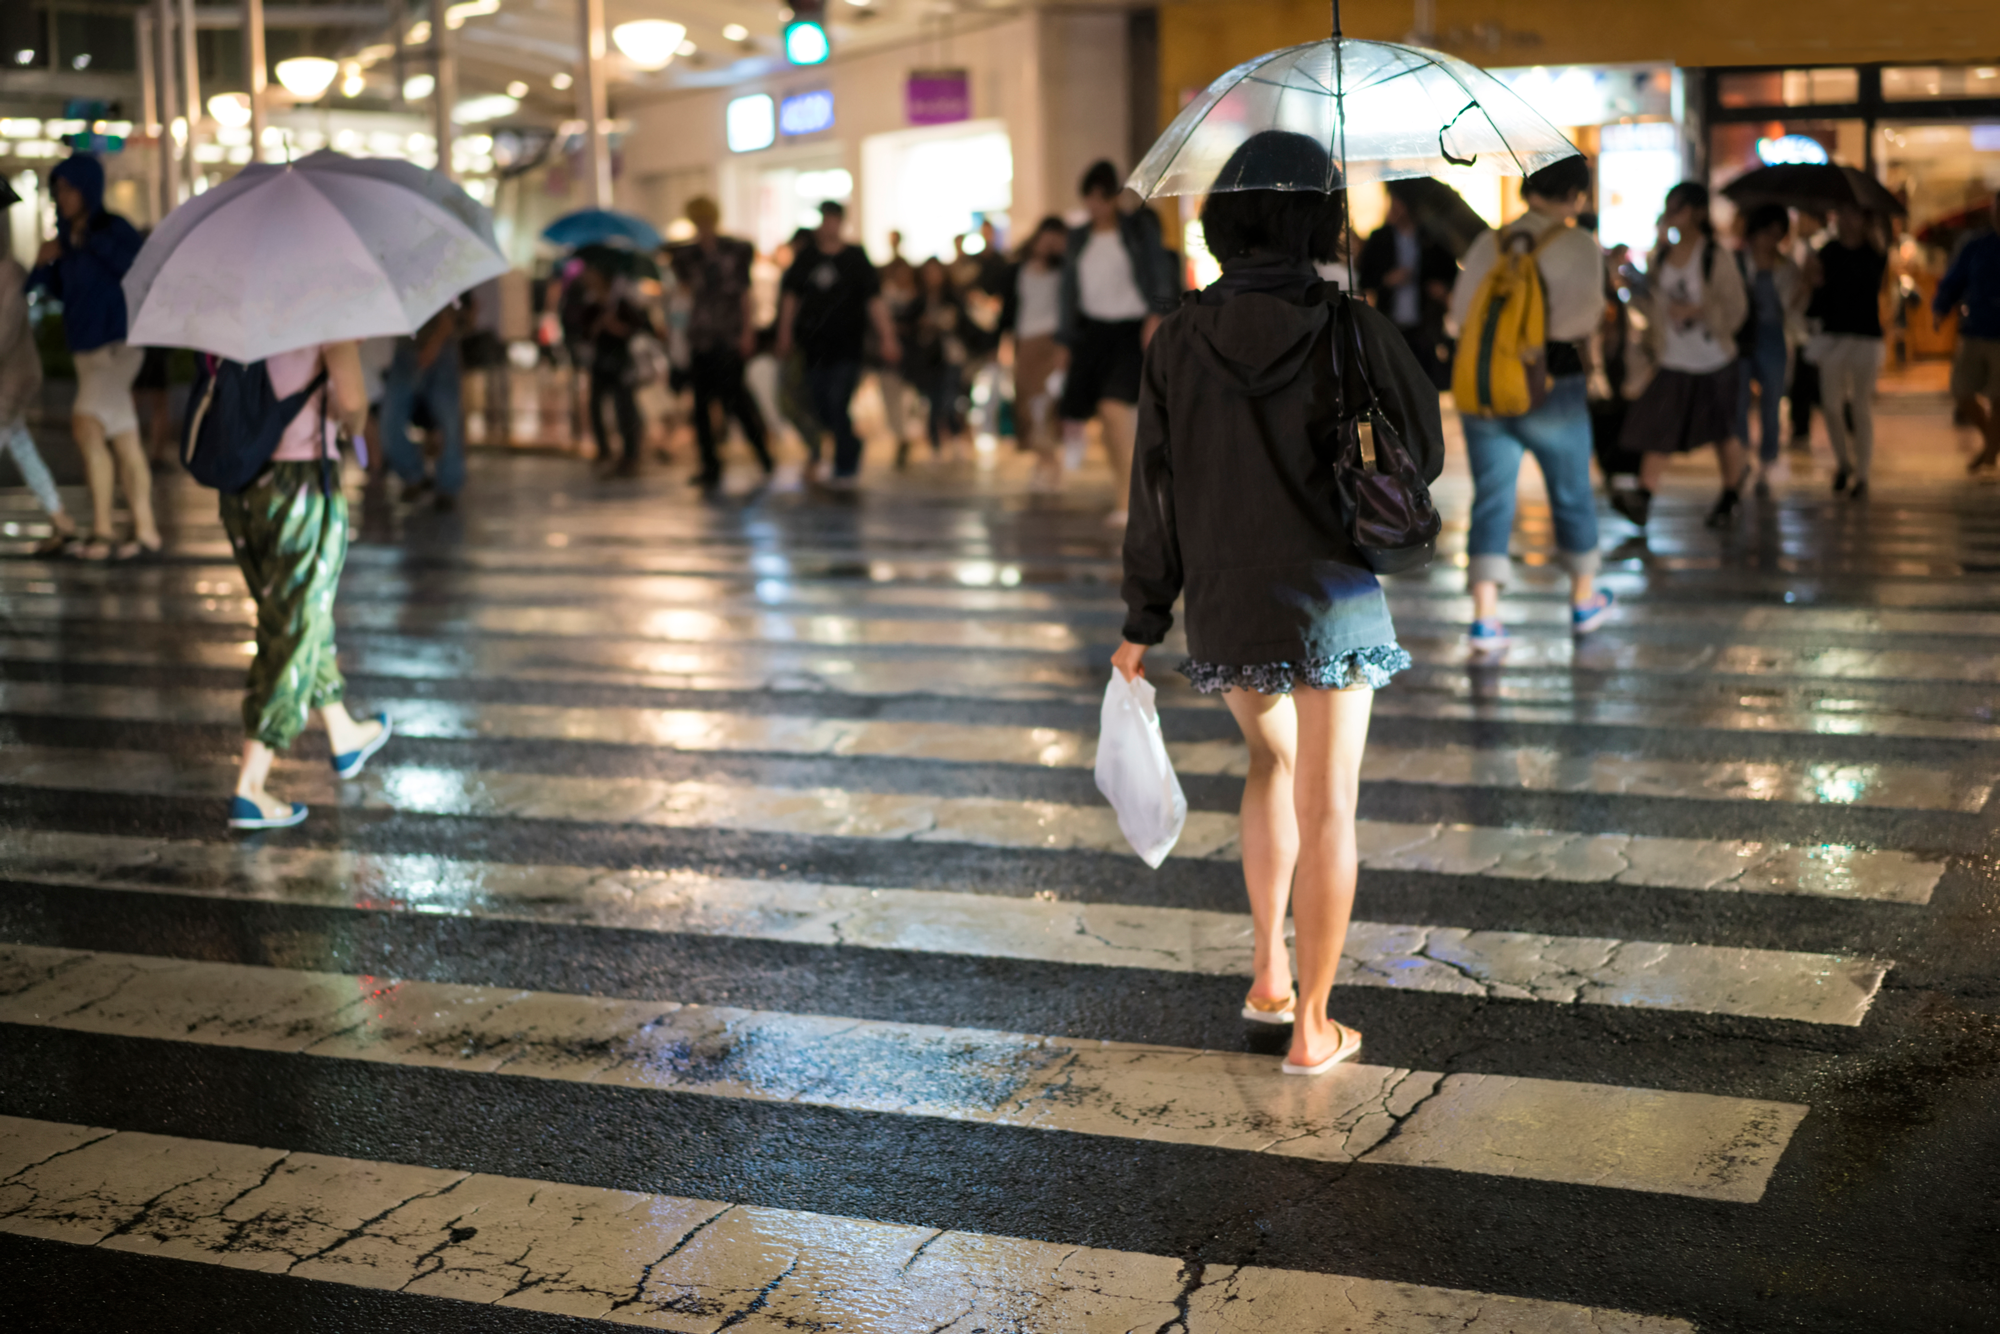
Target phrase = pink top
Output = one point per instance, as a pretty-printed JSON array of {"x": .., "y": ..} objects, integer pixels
[{"x": 291, "y": 372}]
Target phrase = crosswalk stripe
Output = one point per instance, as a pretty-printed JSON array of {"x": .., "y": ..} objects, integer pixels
[
  {"x": 643, "y": 1259},
  {"x": 1531, "y": 768},
  {"x": 1773, "y": 984},
  {"x": 1836, "y": 870},
  {"x": 1639, "y": 1139}
]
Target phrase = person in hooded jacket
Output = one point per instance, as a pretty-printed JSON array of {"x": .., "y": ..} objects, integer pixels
[
  {"x": 84, "y": 267},
  {"x": 1234, "y": 505}
]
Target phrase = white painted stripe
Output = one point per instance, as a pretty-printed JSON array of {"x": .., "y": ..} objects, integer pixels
[
  {"x": 1834, "y": 870},
  {"x": 640, "y": 1259},
  {"x": 1633, "y": 1139},
  {"x": 1815, "y": 988},
  {"x": 1530, "y": 768}
]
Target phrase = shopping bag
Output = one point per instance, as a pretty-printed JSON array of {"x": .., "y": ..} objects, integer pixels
[{"x": 1133, "y": 771}]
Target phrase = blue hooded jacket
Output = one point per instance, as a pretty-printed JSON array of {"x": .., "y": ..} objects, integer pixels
[{"x": 87, "y": 278}]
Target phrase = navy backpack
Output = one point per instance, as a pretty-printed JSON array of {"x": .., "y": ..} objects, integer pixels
[{"x": 235, "y": 421}]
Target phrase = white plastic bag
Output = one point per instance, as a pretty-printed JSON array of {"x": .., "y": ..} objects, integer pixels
[{"x": 1133, "y": 771}]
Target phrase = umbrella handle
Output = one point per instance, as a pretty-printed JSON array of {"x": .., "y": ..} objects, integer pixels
[{"x": 1447, "y": 153}]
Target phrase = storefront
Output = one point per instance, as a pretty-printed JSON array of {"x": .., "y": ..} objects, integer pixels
[
  {"x": 927, "y": 139},
  {"x": 1931, "y": 133}
]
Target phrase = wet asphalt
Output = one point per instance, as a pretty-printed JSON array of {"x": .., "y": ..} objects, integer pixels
[{"x": 1883, "y": 1213}]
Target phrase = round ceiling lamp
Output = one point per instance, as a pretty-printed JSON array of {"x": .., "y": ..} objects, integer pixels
[
  {"x": 307, "y": 77},
  {"x": 231, "y": 110},
  {"x": 649, "y": 43}
]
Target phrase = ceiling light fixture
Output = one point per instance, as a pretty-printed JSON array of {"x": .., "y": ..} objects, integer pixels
[
  {"x": 560, "y": 80},
  {"x": 354, "y": 83},
  {"x": 231, "y": 110},
  {"x": 649, "y": 43},
  {"x": 517, "y": 89},
  {"x": 735, "y": 32},
  {"x": 487, "y": 106},
  {"x": 419, "y": 86},
  {"x": 307, "y": 77}
]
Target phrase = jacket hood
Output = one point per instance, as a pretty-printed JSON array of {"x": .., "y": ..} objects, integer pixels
[
  {"x": 85, "y": 175},
  {"x": 1255, "y": 341}
]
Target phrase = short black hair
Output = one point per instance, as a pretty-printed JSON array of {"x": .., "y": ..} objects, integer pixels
[
  {"x": 1101, "y": 179},
  {"x": 832, "y": 208},
  {"x": 1560, "y": 181},
  {"x": 1768, "y": 218},
  {"x": 1279, "y": 192}
]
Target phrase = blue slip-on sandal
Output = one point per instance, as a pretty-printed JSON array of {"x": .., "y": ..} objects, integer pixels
[
  {"x": 247, "y": 814},
  {"x": 1590, "y": 615},
  {"x": 353, "y": 762}
]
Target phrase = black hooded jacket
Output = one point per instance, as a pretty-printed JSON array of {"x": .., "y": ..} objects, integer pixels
[{"x": 1230, "y": 501}]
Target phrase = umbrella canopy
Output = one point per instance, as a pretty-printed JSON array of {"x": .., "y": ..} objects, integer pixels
[
  {"x": 7, "y": 196},
  {"x": 1440, "y": 212},
  {"x": 1816, "y": 185},
  {"x": 1390, "y": 111},
  {"x": 597, "y": 226},
  {"x": 319, "y": 251}
]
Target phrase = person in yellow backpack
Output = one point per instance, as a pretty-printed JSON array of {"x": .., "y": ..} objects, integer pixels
[{"x": 1524, "y": 308}]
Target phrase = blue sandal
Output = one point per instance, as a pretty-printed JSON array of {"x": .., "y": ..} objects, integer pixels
[
  {"x": 351, "y": 764},
  {"x": 247, "y": 814}
]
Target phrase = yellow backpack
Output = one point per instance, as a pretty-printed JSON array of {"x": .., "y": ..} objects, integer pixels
[{"x": 1501, "y": 369}]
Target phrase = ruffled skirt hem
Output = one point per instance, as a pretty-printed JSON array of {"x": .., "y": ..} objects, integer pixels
[{"x": 1356, "y": 668}]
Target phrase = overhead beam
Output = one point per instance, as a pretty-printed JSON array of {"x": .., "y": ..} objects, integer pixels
[{"x": 295, "y": 16}]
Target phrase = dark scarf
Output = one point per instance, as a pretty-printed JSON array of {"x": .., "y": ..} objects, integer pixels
[{"x": 1288, "y": 279}]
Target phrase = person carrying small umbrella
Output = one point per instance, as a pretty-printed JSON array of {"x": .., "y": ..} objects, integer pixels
[{"x": 1847, "y": 275}]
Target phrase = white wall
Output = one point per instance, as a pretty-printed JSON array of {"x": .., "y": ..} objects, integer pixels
[{"x": 1058, "y": 81}]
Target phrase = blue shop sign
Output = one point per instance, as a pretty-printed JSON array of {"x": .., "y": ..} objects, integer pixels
[{"x": 806, "y": 113}]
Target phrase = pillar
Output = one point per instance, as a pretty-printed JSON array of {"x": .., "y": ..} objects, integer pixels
[
  {"x": 592, "y": 106},
  {"x": 253, "y": 59}
]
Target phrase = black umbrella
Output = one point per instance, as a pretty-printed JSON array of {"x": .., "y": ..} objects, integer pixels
[
  {"x": 1440, "y": 212},
  {"x": 1815, "y": 185},
  {"x": 7, "y": 196}
]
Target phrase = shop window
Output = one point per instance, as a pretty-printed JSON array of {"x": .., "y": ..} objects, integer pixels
[
  {"x": 1916, "y": 83},
  {"x": 1789, "y": 87}
]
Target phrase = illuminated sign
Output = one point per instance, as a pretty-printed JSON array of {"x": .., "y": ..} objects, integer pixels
[
  {"x": 806, "y": 113},
  {"x": 751, "y": 123},
  {"x": 1789, "y": 149}
]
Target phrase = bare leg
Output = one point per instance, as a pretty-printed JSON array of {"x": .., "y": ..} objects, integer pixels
[
  {"x": 98, "y": 473},
  {"x": 251, "y": 776},
  {"x": 1333, "y": 732},
  {"x": 344, "y": 733},
  {"x": 1652, "y": 467},
  {"x": 136, "y": 475},
  {"x": 1270, "y": 836},
  {"x": 1121, "y": 425},
  {"x": 1485, "y": 599}
]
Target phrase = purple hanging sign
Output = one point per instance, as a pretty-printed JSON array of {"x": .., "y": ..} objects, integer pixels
[{"x": 938, "y": 96}]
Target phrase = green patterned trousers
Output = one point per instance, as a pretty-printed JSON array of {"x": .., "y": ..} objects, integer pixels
[{"x": 290, "y": 539}]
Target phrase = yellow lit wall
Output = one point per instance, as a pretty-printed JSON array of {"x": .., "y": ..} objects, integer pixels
[{"x": 1199, "y": 39}]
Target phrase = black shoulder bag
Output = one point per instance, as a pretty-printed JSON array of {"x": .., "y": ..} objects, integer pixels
[{"x": 1384, "y": 499}]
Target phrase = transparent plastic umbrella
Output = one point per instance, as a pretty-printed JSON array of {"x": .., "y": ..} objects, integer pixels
[{"x": 1384, "y": 110}]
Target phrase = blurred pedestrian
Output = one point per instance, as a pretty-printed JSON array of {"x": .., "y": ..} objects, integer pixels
[
  {"x": 1557, "y": 430},
  {"x": 289, "y": 532},
  {"x": 714, "y": 273},
  {"x": 832, "y": 295},
  {"x": 1409, "y": 277},
  {"x": 1846, "y": 274},
  {"x": 1118, "y": 283},
  {"x": 421, "y": 387},
  {"x": 84, "y": 267},
  {"x": 1241, "y": 400},
  {"x": 1775, "y": 327},
  {"x": 612, "y": 317},
  {"x": 936, "y": 360},
  {"x": 1804, "y": 393},
  {"x": 902, "y": 295},
  {"x": 1696, "y": 303},
  {"x": 1971, "y": 287},
  {"x": 20, "y": 388},
  {"x": 1032, "y": 315}
]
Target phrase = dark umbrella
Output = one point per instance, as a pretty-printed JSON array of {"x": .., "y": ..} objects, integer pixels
[
  {"x": 1816, "y": 185},
  {"x": 7, "y": 196},
  {"x": 1440, "y": 212},
  {"x": 619, "y": 261},
  {"x": 593, "y": 225}
]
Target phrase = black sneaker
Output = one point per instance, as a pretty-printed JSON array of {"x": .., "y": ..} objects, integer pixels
[
  {"x": 415, "y": 493},
  {"x": 1635, "y": 503},
  {"x": 444, "y": 502},
  {"x": 1840, "y": 480},
  {"x": 1860, "y": 490},
  {"x": 1725, "y": 509}
]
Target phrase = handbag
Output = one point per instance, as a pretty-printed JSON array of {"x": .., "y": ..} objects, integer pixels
[{"x": 1384, "y": 500}]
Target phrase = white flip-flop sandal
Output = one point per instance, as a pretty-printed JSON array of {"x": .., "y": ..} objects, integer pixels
[
  {"x": 1350, "y": 1047},
  {"x": 1279, "y": 1012}
]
